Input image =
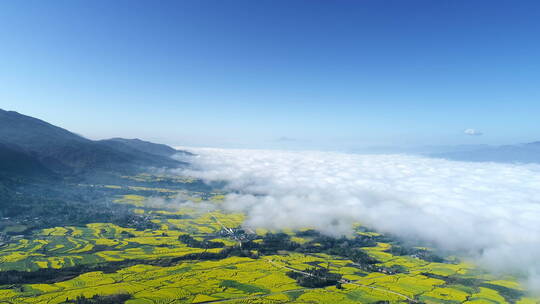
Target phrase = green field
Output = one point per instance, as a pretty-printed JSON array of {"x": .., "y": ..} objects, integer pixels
[{"x": 195, "y": 257}]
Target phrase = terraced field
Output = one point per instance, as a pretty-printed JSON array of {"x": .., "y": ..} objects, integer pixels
[{"x": 202, "y": 256}]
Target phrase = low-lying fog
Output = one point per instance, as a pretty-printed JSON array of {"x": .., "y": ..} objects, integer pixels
[{"x": 487, "y": 211}]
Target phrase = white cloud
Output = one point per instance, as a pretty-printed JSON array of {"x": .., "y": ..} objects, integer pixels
[
  {"x": 471, "y": 207},
  {"x": 472, "y": 132},
  {"x": 178, "y": 202}
]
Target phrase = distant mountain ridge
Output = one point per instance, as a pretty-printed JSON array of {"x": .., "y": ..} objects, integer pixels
[
  {"x": 521, "y": 153},
  {"x": 61, "y": 151},
  {"x": 147, "y": 147}
]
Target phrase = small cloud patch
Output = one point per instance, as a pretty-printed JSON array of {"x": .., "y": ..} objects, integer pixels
[{"x": 472, "y": 132}]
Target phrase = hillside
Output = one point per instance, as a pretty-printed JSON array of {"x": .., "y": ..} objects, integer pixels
[
  {"x": 16, "y": 163},
  {"x": 145, "y": 146},
  {"x": 64, "y": 152}
]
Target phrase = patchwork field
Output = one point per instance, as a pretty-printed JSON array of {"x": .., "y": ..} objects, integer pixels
[{"x": 203, "y": 255}]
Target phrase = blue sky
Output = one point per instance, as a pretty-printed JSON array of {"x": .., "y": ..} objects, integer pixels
[{"x": 308, "y": 74}]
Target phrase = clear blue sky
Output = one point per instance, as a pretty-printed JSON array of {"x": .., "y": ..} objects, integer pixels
[{"x": 276, "y": 73}]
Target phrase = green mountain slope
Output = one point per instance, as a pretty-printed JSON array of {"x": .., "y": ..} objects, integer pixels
[{"x": 64, "y": 152}]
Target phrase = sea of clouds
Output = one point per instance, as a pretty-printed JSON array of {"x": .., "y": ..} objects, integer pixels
[{"x": 487, "y": 211}]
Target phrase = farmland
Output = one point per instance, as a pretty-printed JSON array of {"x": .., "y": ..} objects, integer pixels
[{"x": 198, "y": 253}]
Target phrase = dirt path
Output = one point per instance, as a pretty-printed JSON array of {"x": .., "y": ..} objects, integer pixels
[{"x": 228, "y": 230}]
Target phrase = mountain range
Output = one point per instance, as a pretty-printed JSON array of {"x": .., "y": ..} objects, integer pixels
[
  {"x": 517, "y": 153},
  {"x": 31, "y": 147},
  {"x": 520, "y": 153}
]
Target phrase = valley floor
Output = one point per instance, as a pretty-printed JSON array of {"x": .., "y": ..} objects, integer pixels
[{"x": 202, "y": 255}]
